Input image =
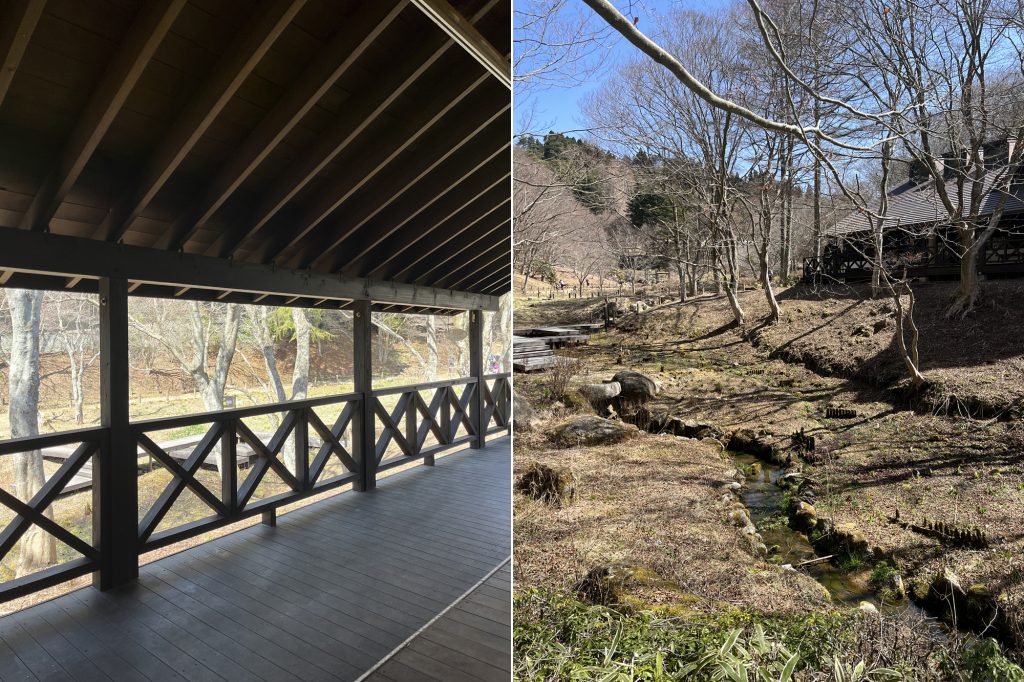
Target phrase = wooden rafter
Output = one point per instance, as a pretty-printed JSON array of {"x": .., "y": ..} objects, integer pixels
[
  {"x": 234, "y": 66},
  {"x": 431, "y": 241},
  {"x": 333, "y": 62},
  {"x": 470, "y": 39},
  {"x": 123, "y": 72},
  {"x": 354, "y": 253},
  {"x": 481, "y": 262},
  {"x": 463, "y": 154},
  {"x": 502, "y": 230},
  {"x": 17, "y": 24},
  {"x": 336, "y": 193},
  {"x": 446, "y": 205},
  {"x": 334, "y": 142}
]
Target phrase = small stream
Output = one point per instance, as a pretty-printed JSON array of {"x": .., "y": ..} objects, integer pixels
[{"x": 764, "y": 500}]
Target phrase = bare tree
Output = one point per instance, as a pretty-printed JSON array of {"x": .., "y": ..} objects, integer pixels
[
  {"x": 37, "y": 548},
  {"x": 190, "y": 344},
  {"x": 75, "y": 327}
]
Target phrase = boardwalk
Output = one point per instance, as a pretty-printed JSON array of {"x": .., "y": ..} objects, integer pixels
[{"x": 326, "y": 595}]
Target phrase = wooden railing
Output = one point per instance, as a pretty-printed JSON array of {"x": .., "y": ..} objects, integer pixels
[
  {"x": 320, "y": 438},
  {"x": 91, "y": 444},
  {"x": 235, "y": 499}
]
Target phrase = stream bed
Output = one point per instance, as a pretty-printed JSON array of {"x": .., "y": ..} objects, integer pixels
[{"x": 765, "y": 502}]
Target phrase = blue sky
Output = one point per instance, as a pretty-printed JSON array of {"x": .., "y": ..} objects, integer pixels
[{"x": 558, "y": 108}]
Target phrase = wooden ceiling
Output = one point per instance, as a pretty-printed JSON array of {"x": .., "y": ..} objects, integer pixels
[{"x": 356, "y": 141}]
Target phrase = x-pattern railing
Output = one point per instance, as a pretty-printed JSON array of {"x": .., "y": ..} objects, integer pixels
[
  {"x": 33, "y": 512},
  {"x": 228, "y": 429},
  {"x": 443, "y": 409},
  {"x": 413, "y": 419},
  {"x": 497, "y": 390}
]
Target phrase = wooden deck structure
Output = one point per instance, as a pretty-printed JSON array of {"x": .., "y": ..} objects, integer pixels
[
  {"x": 533, "y": 348},
  {"x": 328, "y": 154},
  {"x": 326, "y": 595}
]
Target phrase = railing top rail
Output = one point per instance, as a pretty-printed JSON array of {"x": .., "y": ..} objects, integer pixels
[
  {"x": 499, "y": 375},
  {"x": 423, "y": 387},
  {"x": 240, "y": 412},
  {"x": 48, "y": 440}
]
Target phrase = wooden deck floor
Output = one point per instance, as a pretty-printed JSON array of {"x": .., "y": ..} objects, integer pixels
[
  {"x": 325, "y": 595},
  {"x": 471, "y": 641}
]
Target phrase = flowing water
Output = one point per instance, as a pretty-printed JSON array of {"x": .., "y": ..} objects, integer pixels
[{"x": 765, "y": 502}]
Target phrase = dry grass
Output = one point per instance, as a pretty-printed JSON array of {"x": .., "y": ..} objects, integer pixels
[
  {"x": 958, "y": 470},
  {"x": 655, "y": 505}
]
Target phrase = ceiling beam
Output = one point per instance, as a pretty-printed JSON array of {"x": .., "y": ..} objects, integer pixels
[
  {"x": 483, "y": 281},
  {"x": 429, "y": 242},
  {"x": 333, "y": 143},
  {"x": 122, "y": 73},
  {"x": 503, "y": 225},
  {"x": 316, "y": 80},
  {"x": 352, "y": 179},
  {"x": 498, "y": 283},
  {"x": 234, "y": 66},
  {"x": 17, "y": 24},
  {"x": 482, "y": 261},
  {"x": 379, "y": 244},
  {"x": 461, "y": 154},
  {"x": 446, "y": 204},
  {"x": 49, "y": 254},
  {"x": 468, "y": 38}
]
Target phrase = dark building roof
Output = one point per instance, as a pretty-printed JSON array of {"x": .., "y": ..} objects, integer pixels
[
  {"x": 916, "y": 205},
  {"x": 346, "y": 139}
]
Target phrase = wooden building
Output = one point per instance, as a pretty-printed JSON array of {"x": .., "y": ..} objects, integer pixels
[{"x": 917, "y": 236}]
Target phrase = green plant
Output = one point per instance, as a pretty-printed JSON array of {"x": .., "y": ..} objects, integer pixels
[
  {"x": 849, "y": 561},
  {"x": 557, "y": 637},
  {"x": 984, "y": 660},
  {"x": 881, "y": 575}
]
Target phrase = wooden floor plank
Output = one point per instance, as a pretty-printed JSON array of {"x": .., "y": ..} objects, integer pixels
[{"x": 454, "y": 646}]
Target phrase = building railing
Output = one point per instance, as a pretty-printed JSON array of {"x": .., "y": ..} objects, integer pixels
[{"x": 316, "y": 445}]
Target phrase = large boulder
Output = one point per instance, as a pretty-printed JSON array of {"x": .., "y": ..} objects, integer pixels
[
  {"x": 599, "y": 392},
  {"x": 636, "y": 386},
  {"x": 524, "y": 417},
  {"x": 592, "y": 430},
  {"x": 750, "y": 442}
]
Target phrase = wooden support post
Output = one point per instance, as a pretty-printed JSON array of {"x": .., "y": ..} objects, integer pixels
[
  {"x": 476, "y": 369},
  {"x": 270, "y": 518},
  {"x": 411, "y": 435},
  {"x": 229, "y": 468},
  {"x": 115, "y": 472},
  {"x": 364, "y": 434},
  {"x": 302, "y": 450}
]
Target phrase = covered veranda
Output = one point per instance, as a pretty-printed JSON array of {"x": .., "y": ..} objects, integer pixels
[{"x": 324, "y": 154}]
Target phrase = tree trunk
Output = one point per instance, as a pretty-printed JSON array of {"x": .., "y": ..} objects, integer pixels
[
  {"x": 504, "y": 327},
  {"x": 737, "y": 310},
  {"x": 77, "y": 399},
  {"x": 300, "y": 377},
  {"x": 769, "y": 294},
  {"x": 37, "y": 548},
  {"x": 970, "y": 283},
  {"x": 431, "y": 348},
  {"x": 905, "y": 321}
]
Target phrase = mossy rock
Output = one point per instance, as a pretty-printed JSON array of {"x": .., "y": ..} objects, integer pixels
[{"x": 591, "y": 430}]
